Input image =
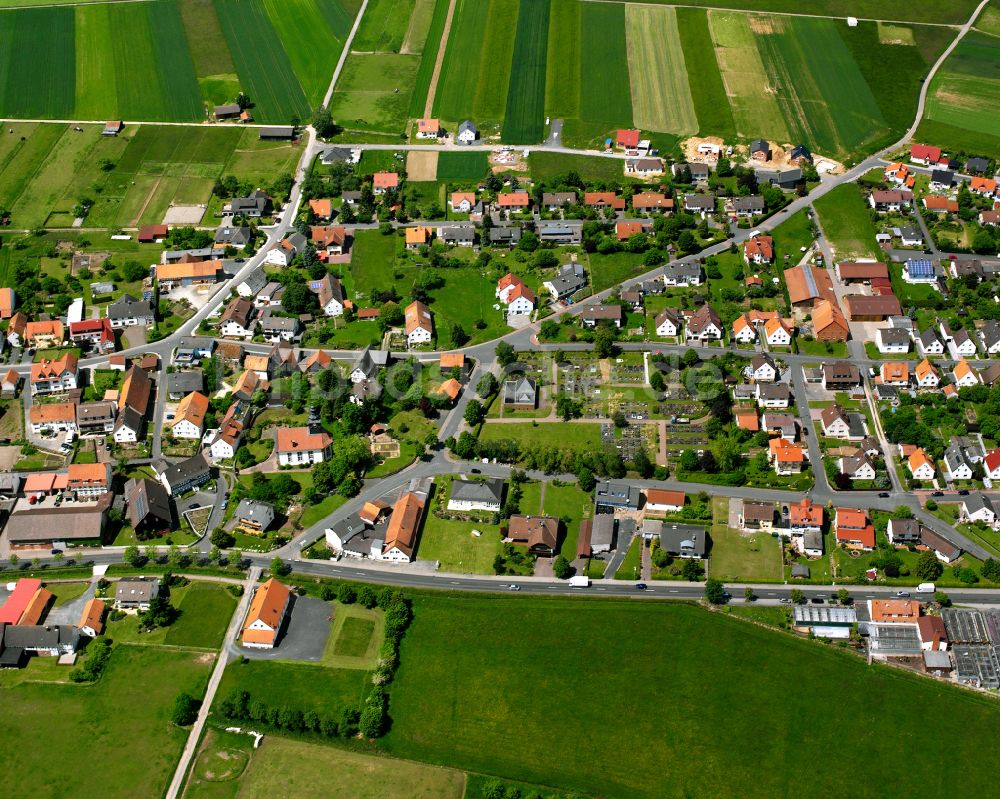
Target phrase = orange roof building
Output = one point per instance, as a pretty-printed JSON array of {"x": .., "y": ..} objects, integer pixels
[
  {"x": 296, "y": 446},
  {"x": 663, "y": 499},
  {"x": 401, "y": 534},
  {"x": 321, "y": 208},
  {"x": 88, "y": 479},
  {"x": 450, "y": 388},
  {"x": 514, "y": 199},
  {"x": 384, "y": 180},
  {"x": 625, "y": 230},
  {"x": 748, "y": 420},
  {"x": 189, "y": 420},
  {"x": 51, "y": 331},
  {"x": 452, "y": 360},
  {"x": 19, "y": 599},
  {"x": 37, "y": 607},
  {"x": 894, "y": 611},
  {"x": 759, "y": 249},
  {"x": 786, "y": 455},
  {"x": 266, "y": 615},
  {"x": 895, "y": 373},
  {"x": 417, "y": 236},
  {"x": 854, "y": 529},
  {"x": 92, "y": 619},
  {"x": 8, "y": 301},
  {"x": 189, "y": 272},
  {"x": 805, "y": 514},
  {"x": 54, "y": 414},
  {"x": 829, "y": 322},
  {"x": 372, "y": 512}
]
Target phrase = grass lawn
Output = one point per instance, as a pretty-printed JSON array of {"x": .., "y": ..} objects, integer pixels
[
  {"x": 844, "y": 219},
  {"x": 453, "y": 545},
  {"x": 122, "y": 722},
  {"x": 283, "y": 767},
  {"x": 560, "y": 434},
  {"x": 629, "y": 570},
  {"x": 307, "y": 686},
  {"x": 205, "y": 610},
  {"x": 569, "y": 504},
  {"x": 545, "y": 166},
  {"x": 748, "y": 558},
  {"x": 488, "y": 702},
  {"x": 765, "y": 614},
  {"x": 66, "y": 592},
  {"x": 355, "y": 637}
]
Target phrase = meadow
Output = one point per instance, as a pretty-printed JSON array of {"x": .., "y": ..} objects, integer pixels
[
  {"x": 949, "y": 13},
  {"x": 545, "y": 166},
  {"x": 126, "y": 712},
  {"x": 462, "y": 166},
  {"x": 846, "y": 223},
  {"x": 524, "y": 121},
  {"x": 307, "y": 686},
  {"x": 384, "y": 26},
  {"x": 493, "y": 684},
  {"x": 964, "y": 95}
]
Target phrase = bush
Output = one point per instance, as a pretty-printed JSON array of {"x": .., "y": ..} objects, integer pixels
[
  {"x": 97, "y": 658},
  {"x": 185, "y": 710}
]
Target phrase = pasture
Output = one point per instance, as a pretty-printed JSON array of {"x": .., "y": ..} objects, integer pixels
[
  {"x": 545, "y": 166},
  {"x": 307, "y": 686},
  {"x": 373, "y": 92},
  {"x": 661, "y": 95},
  {"x": 524, "y": 122},
  {"x": 125, "y": 712},
  {"x": 384, "y": 27},
  {"x": 494, "y": 703},
  {"x": 949, "y": 13}
]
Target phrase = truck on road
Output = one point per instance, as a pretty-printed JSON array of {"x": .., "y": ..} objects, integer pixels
[
  {"x": 579, "y": 582},
  {"x": 925, "y": 588}
]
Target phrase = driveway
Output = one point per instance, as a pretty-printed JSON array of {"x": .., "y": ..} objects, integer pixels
[
  {"x": 70, "y": 612},
  {"x": 305, "y": 633}
]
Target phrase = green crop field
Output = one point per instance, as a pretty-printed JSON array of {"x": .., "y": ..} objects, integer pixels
[
  {"x": 562, "y": 79},
  {"x": 545, "y": 166},
  {"x": 708, "y": 93},
  {"x": 373, "y": 92},
  {"x": 127, "y": 712},
  {"x": 430, "y": 48},
  {"x": 462, "y": 166},
  {"x": 310, "y": 43},
  {"x": 421, "y": 20},
  {"x": 265, "y": 70},
  {"x": 661, "y": 95},
  {"x": 209, "y": 52},
  {"x": 965, "y": 95},
  {"x": 498, "y": 703},
  {"x": 384, "y": 26},
  {"x": 750, "y": 88},
  {"x": 477, "y": 63},
  {"x": 524, "y": 122},
  {"x": 604, "y": 65},
  {"x": 822, "y": 93},
  {"x": 948, "y": 13},
  {"x": 845, "y": 221},
  {"x": 37, "y": 52}
]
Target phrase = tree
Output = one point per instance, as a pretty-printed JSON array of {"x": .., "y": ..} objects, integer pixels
[
  {"x": 928, "y": 567},
  {"x": 689, "y": 460},
  {"x": 185, "y": 710},
  {"x": 604, "y": 342},
  {"x": 487, "y": 385},
  {"x": 656, "y": 381},
  {"x": 474, "y": 412},
  {"x": 642, "y": 464},
  {"x": 991, "y": 570},
  {"x": 222, "y": 539},
  {"x": 561, "y": 568},
  {"x": 692, "y": 570},
  {"x": 505, "y": 354},
  {"x": 797, "y": 596},
  {"x": 346, "y": 595},
  {"x": 942, "y": 599},
  {"x": 132, "y": 556},
  {"x": 298, "y": 299},
  {"x": 279, "y": 568},
  {"x": 459, "y": 337},
  {"x": 748, "y": 594},
  {"x": 160, "y": 613},
  {"x": 844, "y": 596},
  {"x": 322, "y": 122},
  {"x": 567, "y": 407},
  {"x": 715, "y": 591},
  {"x": 587, "y": 481}
]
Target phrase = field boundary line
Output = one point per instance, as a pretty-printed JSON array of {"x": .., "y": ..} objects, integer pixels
[
  {"x": 149, "y": 199},
  {"x": 794, "y": 14},
  {"x": 439, "y": 60},
  {"x": 344, "y": 53}
]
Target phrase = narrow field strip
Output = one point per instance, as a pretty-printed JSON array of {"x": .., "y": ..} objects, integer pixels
[
  {"x": 661, "y": 95},
  {"x": 428, "y": 83},
  {"x": 708, "y": 93},
  {"x": 312, "y": 47},
  {"x": 562, "y": 78},
  {"x": 524, "y": 120},
  {"x": 604, "y": 65}
]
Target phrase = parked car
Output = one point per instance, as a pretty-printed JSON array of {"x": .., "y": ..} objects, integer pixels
[
  {"x": 937, "y": 494},
  {"x": 640, "y": 586},
  {"x": 964, "y": 492},
  {"x": 884, "y": 494}
]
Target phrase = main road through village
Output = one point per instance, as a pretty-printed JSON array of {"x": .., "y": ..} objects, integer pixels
[{"x": 439, "y": 462}]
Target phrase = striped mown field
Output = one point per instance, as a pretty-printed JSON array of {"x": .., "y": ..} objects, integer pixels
[
  {"x": 524, "y": 121},
  {"x": 661, "y": 95}
]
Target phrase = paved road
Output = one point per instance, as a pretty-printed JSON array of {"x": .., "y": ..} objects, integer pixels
[{"x": 222, "y": 659}]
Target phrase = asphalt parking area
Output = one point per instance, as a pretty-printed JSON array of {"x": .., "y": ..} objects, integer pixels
[{"x": 304, "y": 636}]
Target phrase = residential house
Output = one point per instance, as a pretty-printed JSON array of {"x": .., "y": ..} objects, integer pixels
[
  {"x": 857, "y": 467},
  {"x": 977, "y": 508},
  {"x": 253, "y": 517},
  {"x": 627, "y": 139},
  {"x": 367, "y": 365},
  {"x": 956, "y": 464},
  {"x": 462, "y": 202},
  {"x": 505, "y": 236},
  {"x": 418, "y": 236},
  {"x": 267, "y": 614},
  {"x": 280, "y": 328},
  {"x": 96, "y": 418},
  {"x": 330, "y": 241},
  {"x": 603, "y": 201},
  {"x": 928, "y": 343},
  {"x": 829, "y": 322},
  {"x": 763, "y": 369},
  {"x": 44, "y": 334},
  {"x": 468, "y": 133},
  {"x": 840, "y": 376},
  {"x": 53, "y": 416},
  {"x": 383, "y": 182},
  {"x": 179, "y": 478},
  {"x": 668, "y": 323},
  {"x": 785, "y": 456},
  {"x": 238, "y": 319},
  {"x": 891, "y": 201},
  {"x": 659, "y": 500},
  {"x": 540, "y": 534},
  {"x": 285, "y": 251},
  {"x": 321, "y": 209},
  {"x": 836, "y": 423},
  {"x": 128, "y": 311},
  {"x": 404, "y": 525},
  {"x": 759, "y": 250},
  {"x": 560, "y": 233},
  {"x": 756, "y": 515},
  {"x": 429, "y": 129},
  {"x": 189, "y": 419},
  {"x": 16, "y": 328},
  {"x": 187, "y": 274},
  {"x": 651, "y": 202},
  {"x": 419, "y": 327},
  {"x": 593, "y": 315},
  {"x": 942, "y": 180},
  {"x": 760, "y": 150},
  {"x": 925, "y": 154},
  {"x": 457, "y": 235},
  {"x": 964, "y": 375},
  {"x": 920, "y": 464},
  {"x": 298, "y": 446},
  {"x": 194, "y": 348},
  {"x": 683, "y": 273},
  {"x": 747, "y": 207},
  {"x": 895, "y": 373},
  {"x": 704, "y": 325},
  {"x": 644, "y": 167},
  {"x": 773, "y": 395},
  {"x": 136, "y": 593},
  {"x": 567, "y": 282},
  {"x": 939, "y": 204},
  {"x": 511, "y": 201},
  {"x": 610, "y": 496},
  {"x": 53, "y": 377},
  {"x": 989, "y": 335},
  {"x": 777, "y": 332},
  {"x": 513, "y": 293},
  {"x": 480, "y": 495},
  {"x": 682, "y": 540},
  {"x": 927, "y": 376},
  {"x": 892, "y": 341},
  {"x": 700, "y": 204},
  {"x": 854, "y": 529},
  {"x": 8, "y": 302}
]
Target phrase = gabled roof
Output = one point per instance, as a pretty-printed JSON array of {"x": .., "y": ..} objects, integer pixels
[
  {"x": 268, "y": 608},
  {"x": 401, "y": 533}
]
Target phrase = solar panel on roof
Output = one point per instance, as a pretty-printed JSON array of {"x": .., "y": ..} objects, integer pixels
[{"x": 920, "y": 268}]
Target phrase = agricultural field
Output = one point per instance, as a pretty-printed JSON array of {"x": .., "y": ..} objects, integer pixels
[
  {"x": 524, "y": 121},
  {"x": 126, "y": 711},
  {"x": 496, "y": 703},
  {"x": 167, "y": 60},
  {"x": 384, "y": 27},
  {"x": 661, "y": 93},
  {"x": 462, "y": 166},
  {"x": 963, "y": 97},
  {"x": 133, "y": 178},
  {"x": 950, "y": 13}
]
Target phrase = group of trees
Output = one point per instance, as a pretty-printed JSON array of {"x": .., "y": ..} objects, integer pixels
[
  {"x": 98, "y": 652},
  {"x": 241, "y": 705}
]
